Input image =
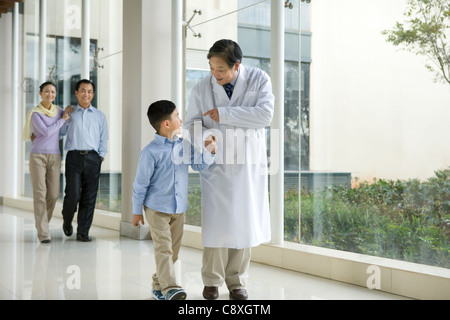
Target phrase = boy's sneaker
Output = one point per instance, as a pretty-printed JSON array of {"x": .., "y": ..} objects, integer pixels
[
  {"x": 176, "y": 294},
  {"x": 157, "y": 295}
]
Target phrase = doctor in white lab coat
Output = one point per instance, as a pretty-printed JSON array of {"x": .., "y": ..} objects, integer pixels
[{"x": 235, "y": 202}]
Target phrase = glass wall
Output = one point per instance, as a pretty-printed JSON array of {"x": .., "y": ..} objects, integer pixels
[
  {"x": 367, "y": 163},
  {"x": 377, "y": 116},
  {"x": 366, "y": 128},
  {"x": 249, "y": 23},
  {"x": 63, "y": 67}
]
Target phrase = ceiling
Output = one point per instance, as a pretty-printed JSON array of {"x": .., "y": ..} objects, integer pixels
[{"x": 5, "y": 5}]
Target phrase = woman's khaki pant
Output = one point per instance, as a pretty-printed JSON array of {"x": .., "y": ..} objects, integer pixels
[{"x": 45, "y": 171}]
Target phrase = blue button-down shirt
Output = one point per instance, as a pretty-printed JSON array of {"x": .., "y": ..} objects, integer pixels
[
  {"x": 86, "y": 130},
  {"x": 161, "y": 180}
]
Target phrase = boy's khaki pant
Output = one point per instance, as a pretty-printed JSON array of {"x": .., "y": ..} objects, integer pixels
[
  {"x": 45, "y": 170},
  {"x": 166, "y": 231}
]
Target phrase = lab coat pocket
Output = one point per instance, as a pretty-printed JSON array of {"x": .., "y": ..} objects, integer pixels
[{"x": 250, "y": 99}]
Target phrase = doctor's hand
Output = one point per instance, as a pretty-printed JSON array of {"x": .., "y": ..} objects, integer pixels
[{"x": 213, "y": 114}]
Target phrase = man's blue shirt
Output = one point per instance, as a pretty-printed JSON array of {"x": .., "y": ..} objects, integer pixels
[{"x": 86, "y": 130}]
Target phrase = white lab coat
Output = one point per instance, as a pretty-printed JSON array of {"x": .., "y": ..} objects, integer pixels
[{"x": 235, "y": 202}]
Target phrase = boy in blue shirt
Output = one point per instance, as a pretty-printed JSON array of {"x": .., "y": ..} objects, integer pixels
[{"x": 160, "y": 188}]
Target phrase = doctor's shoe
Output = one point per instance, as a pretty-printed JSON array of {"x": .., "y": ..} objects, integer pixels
[
  {"x": 176, "y": 294},
  {"x": 210, "y": 293},
  {"x": 238, "y": 294}
]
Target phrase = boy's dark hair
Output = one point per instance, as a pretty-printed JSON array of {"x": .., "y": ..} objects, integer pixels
[
  {"x": 86, "y": 81},
  {"x": 228, "y": 50},
  {"x": 160, "y": 111}
]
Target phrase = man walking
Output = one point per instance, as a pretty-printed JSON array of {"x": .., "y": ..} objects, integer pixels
[{"x": 87, "y": 138}]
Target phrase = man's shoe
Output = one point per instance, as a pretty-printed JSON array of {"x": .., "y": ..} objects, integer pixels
[
  {"x": 83, "y": 238},
  {"x": 210, "y": 293},
  {"x": 176, "y": 294},
  {"x": 45, "y": 241},
  {"x": 238, "y": 294},
  {"x": 67, "y": 230}
]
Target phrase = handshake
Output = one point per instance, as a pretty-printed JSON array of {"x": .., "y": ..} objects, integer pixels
[{"x": 210, "y": 144}]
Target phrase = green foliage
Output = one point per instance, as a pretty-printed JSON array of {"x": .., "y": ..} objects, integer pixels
[
  {"x": 193, "y": 214},
  {"x": 425, "y": 32},
  {"x": 403, "y": 220}
]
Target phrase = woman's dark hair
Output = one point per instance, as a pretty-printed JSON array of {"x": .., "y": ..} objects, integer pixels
[
  {"x": 85, "y": 81},
  {"x": 47, "y": 83},
  {"x": 160, "y": 111},
  {"x": 228, "y": 50}
]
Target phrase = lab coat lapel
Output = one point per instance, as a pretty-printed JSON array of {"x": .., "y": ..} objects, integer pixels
[{"x": 241, "y": 85}]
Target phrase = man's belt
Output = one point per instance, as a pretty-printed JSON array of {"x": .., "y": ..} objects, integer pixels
[{"x": 83, "y": 152}]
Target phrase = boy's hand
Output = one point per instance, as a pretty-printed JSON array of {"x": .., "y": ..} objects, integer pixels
[
  {"x": 137, "y": 219},
  {"x": 210, "y": 144}
]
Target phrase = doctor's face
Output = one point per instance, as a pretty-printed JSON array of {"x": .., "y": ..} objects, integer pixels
[{"x": 221, "y": 71}]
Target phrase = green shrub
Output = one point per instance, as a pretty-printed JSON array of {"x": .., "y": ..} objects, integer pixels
[{"x": 403, "y": 220}]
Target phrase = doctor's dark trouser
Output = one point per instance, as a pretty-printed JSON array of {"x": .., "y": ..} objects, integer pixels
[{"x": 82, "y": 180}]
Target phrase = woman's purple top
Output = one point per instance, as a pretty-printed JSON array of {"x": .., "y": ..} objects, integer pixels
[{"x": 46, "y": 130}]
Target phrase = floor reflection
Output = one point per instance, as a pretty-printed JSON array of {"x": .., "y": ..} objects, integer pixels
[{"x": 112, "y": 267}]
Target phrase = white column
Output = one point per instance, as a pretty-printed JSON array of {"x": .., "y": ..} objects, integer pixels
[
  {"x": 277, "y": 127},
  {"x": 132, "y": 111},
  {"x": 16, "y": 137},
  {"x": 146, "y": 79},
  {"x": 85, "y": 39},
  {"x": 42, "y": 41},
  {"x": 177, "y": 55}
]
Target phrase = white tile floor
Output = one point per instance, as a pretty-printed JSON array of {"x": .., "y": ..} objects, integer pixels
[{"x": 113, "y": 267}]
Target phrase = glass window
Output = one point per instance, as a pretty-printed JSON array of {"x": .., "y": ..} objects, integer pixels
[
  {"x": 211, "y": 21},
  {"x": 214, "y": 20},
  {"x": 64, "y": 69},
  {"x": 378, "y": 139},
  {"x": 248, "y": 22}
]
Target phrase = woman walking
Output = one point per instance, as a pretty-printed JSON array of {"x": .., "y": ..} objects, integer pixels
[{"x": 45, "y": 156}]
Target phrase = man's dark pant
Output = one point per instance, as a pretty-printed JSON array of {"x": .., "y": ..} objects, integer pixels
[{"x": 82, "y": 179}]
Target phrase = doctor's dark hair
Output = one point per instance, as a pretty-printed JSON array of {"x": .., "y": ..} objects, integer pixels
[
  {"x": 160, "y": 111},
  {"x": 228, "y": 50}
]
